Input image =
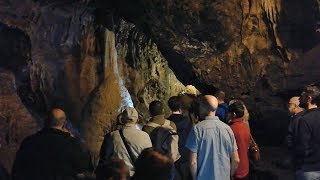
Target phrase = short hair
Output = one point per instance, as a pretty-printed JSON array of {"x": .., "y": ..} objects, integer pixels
[
  {"x": 220, "y": 95},
  {"x": 152, "y": 164},
  {"x": 312, "y": 91},
  {"x": 156, "y": 108},
  {"x": 237, "y": 108},
  {"x": 174, "y": 103},
  {"x": 113, "y": 169}
]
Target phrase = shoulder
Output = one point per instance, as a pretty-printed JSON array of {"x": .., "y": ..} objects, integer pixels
[
  {"x": 311, "y": 114},
  {"x": 172, "y": 124}
]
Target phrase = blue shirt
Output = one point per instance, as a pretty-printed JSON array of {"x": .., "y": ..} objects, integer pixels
[
  {"x": 214, "y": 143},
  {"x": 222, "y": 112}
]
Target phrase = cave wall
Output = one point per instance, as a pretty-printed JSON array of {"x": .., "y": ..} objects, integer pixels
[
  {"x": 258, "y": 50},
  {"x": 255, "y": 50},
  {"x": 67, "y": 66}
]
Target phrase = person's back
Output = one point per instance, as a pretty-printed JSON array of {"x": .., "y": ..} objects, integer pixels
[
  {"x": 242, "y": 134},
  {"x": 183, "y": 129},
  {"x": 215, "y": 146},
  {"x": 49, "y": 154},
  {"x": 212, "y": 145},
  {"x": 182, "y": 123},
  {"x": 222, "y": 109},
  {"x": 163, "y": 132},
  {"x": 114, "y": 144},
  {"x": 308, "y": 145},
  {"x": 307, "y": 154}
]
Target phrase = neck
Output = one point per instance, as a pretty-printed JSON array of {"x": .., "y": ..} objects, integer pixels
[
  {"x": 58, "y": 127},
  {"x": 298, "y": 111},
  {"x": 176, "y": 112},
  {"x": 312, "y": 106},
  {"x": 131, "y": 124},
  {"x": 212, "y": 114}
]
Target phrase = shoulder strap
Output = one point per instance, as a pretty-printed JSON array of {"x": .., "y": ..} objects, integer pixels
[{"x": 126, "y": 145}]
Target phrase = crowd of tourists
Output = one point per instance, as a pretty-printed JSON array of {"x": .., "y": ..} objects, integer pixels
[{"x": 204, "y": 138}]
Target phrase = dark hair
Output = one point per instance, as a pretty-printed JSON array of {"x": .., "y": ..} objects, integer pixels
[
  {"x": 220, "y": 95},
  {"x": 174, "y": 103},
  {"x": 156, "y": 108},
  {"x": 312, "y": 91},
  {"x": 154, "y": 165},
  {"x": 237, "y": 108},
  {"x": 112, "y": 169}
]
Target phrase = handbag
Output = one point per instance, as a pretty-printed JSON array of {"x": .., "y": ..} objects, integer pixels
[{"x": 254, "y": 151}]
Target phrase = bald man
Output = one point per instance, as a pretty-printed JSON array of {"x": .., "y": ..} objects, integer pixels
[
  {"x": 51, "y": 153},
  {"x": 212, "y": 145},
  {"x": 296, "y": 113}
]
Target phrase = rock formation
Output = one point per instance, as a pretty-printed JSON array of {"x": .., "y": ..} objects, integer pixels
[{"x": 252, "y": 49}]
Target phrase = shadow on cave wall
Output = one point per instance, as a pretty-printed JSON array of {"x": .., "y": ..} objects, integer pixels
[{"x": 15, "y": 54}]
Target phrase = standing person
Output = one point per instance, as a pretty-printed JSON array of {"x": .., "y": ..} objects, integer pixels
[
  {"x": 246, "y": 115},
  {"x": 307, "y": 146},
  {"x": 163, "y": 132},
  {"x": 222, "y": 110},
  {"x": 51, "y": 153},
  {"x": 296, "y": 114},
  {"x": 242, "y": 134},
  {"x": 183, "y": 128},
  {"x": 212, "y": 145},
  {"x": 126, "y": 143}
]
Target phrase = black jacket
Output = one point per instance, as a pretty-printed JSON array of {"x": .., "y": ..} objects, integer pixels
[
  {"x": 293, "y": 130},
  {"x": 308, "y": 141},
  {"x": 183, "y": 128},
  {"x": 50, "y": 154}
]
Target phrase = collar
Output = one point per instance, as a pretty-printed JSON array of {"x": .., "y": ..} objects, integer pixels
[
  {"x": 211, "y": 118},
  {"x": 236, "y": 120},
  {"x": 159, "y": 119},
  {"x": 130, "y": 125}
]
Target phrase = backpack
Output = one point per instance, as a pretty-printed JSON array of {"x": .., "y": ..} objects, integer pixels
[{"x": 165, "y": 139}]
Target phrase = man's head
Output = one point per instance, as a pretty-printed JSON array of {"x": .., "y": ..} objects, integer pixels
[
  {"x": 208, "y": 105},
  {"x": 308, "y": 97},
  {"x": 236, "y": 109},
  {"x": 155, "y": 108},
  {"x": 175, "y": 103},
  {"x": 129, "y": 115},
  {"x": 293, "y": 105},
  {"x": 153, "y": 164},
  {"x": 57, "y": 118},
  {"x": 220, "y": 95}
]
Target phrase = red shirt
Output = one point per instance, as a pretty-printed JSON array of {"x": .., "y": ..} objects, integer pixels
[{"x": 242, "y": 134}]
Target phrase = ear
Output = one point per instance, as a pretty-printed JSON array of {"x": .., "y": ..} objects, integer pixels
[
  {"x": 234, "y": 114},
  {"x": 309, "y": 99}
]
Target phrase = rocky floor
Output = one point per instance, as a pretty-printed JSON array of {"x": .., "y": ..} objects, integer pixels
[{"x": 273, "y": 165}]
